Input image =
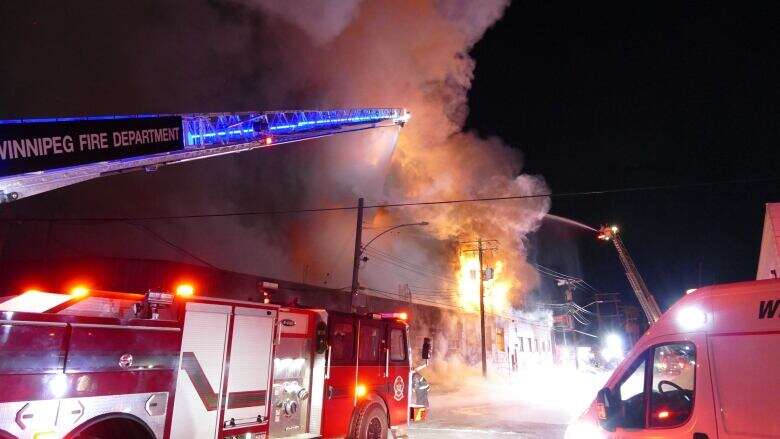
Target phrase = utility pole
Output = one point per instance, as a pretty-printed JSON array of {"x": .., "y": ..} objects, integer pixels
[
  {"x": 482, "y": 309},
  {"x": 358, "y": 254},
  {"x": 569, "y": 293},
  {"x": 480, "y": 249}
]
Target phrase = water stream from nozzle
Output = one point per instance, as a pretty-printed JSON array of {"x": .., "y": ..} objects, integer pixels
[{"x": 570, "y": 222}]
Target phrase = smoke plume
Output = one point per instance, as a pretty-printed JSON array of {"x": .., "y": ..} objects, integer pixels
[{"x": 415, "y": 54}]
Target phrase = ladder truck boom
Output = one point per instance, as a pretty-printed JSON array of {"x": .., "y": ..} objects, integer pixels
[
  {"x": 643, "y": 295},
  {"x": 39, "y": 155}
]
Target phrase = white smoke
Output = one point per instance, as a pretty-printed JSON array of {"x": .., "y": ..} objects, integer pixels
[{"x": 322, "y": 20}]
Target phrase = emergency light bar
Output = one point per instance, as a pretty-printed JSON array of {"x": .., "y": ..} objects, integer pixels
[
  {"x": 390, "y": 315},
  {"x": 39, "y": 155}
]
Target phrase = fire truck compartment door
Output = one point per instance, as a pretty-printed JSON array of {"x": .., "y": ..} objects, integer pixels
[
  {"x": 199, "y": 381},
  {"x": 250, "y": 366}
]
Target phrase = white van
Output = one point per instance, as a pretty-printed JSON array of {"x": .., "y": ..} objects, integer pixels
[{"x": 709, "y": 368}]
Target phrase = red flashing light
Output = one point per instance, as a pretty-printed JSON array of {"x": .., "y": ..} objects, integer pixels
[
  {"x": 663, "y": 414},
  {"x": 391, "y": 315},
  {"x": 268, "y": 140},
  {"x": 185, "y": 290},
  {"x": 79, "y": 291},
  {"x": 361, "y": 390}
]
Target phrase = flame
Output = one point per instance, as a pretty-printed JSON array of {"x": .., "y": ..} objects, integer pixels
[{"x": 496, "y": 289}]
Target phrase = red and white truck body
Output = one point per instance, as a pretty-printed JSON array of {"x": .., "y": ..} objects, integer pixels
[{"x": 101, "y": 364}]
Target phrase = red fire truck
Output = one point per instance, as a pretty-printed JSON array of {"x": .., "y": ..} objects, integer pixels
[{"x": 97, "y": 364}]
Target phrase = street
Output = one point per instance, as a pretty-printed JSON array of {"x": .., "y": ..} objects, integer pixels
[{"x": 538, "y": 404}]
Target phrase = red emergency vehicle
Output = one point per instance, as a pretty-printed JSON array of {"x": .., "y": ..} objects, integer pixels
[{"x": 97, "y": 364}]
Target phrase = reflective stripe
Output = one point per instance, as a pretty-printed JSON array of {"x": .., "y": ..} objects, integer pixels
[{"x": 143, "y": 328}]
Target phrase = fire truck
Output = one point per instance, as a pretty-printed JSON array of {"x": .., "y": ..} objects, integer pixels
[{"x": 99, "y": 364}]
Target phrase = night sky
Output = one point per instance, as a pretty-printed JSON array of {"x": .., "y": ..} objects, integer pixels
[{"x": 637, "y": 95}]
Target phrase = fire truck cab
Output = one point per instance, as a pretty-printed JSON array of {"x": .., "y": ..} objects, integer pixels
[
  {"x": 707, "y": 369},
  {"x": 96, "y": 364}
]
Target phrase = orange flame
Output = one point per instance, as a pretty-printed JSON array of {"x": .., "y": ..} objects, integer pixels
[{"x": 496, "y": 289}]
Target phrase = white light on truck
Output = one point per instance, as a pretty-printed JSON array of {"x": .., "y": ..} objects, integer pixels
[
  {"x": 58, "y": 385},
  {"x": 691, "y": 318}
]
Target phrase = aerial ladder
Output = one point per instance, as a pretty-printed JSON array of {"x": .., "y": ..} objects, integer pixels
[
  {"x": 43, "y": 154},
  {"x": 646, "y": 300}
]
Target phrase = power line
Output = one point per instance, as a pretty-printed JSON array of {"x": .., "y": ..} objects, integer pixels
[
  {"x": 578, "y": 282},
  {"x": 390, "y": 256},
  {"x": 400, "y": 263},
  {"x": 174, "y": 246},
  {"x": 407, "y": 204}
]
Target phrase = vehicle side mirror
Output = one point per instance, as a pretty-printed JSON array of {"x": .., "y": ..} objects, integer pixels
[
  {"x": 607, "y": 408},
  {"x": 426, "y": 349}
]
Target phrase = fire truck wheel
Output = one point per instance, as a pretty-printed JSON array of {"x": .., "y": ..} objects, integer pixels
[
  {"x": 371, "y": 423},
  {"x": 113, "y": 428}
]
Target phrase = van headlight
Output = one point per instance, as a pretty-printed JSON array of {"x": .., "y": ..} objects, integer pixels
[{"x": 583, "y": 430}]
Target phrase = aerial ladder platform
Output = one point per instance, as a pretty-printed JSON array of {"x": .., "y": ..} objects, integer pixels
[
  {"x": 40, "y": 155},
  {"x": 643, "y": 295}
]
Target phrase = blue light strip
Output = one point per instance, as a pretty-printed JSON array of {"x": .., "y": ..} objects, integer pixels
[
  {"x": 80, "y": 118},
  {"x": 221, "y": 133}
]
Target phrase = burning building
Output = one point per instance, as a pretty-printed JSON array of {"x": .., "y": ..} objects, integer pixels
[{"x": 309, "y": 61}]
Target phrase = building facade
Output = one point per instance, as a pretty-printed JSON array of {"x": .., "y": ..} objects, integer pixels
[{"x": 769, "y": 258}]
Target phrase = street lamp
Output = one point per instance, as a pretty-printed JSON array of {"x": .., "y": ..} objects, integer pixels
[
  {"x": 364, "y": 247},
  {"x": 592, "y": 303},
  {"x": 360, "y": 249}
]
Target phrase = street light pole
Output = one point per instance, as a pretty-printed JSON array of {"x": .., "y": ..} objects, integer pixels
[
  {"x": 360, "y": 249},
  {"x": 358, "y": 253}
]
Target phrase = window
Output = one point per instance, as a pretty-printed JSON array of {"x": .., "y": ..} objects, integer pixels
[
  {"x": 370, "y": 338},
  {"x": 500, "y": 340},
  {"x": 342, "y": 342},
  {"x": 530, "y": 346},
  {"x": 665, "y": 399},
  {"x": 632, "y": 394},
  {"x": 671, "y": 399},
  {"x": 521, "y": 345},
  {"x": 536, "y": 341},
  {"x": 397, "y": 345}
]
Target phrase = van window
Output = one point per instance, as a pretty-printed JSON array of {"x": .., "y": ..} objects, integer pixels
[
  {"x": 370, "y": 337},
  {"x": 632, "y": 394},
  {"x": 671, "y": 400},
  {"x": 665, "y": 399}
]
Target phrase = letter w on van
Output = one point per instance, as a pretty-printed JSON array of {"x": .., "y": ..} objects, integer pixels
[{"x": 768, "y": 308}]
